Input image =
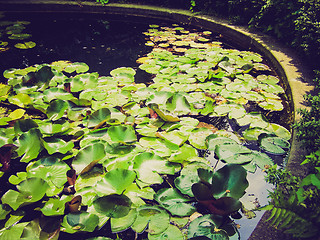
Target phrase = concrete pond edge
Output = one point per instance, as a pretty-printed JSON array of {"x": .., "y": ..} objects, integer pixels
[{"x": 291, "y": 68}]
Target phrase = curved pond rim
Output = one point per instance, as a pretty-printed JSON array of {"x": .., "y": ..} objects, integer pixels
[{"x": 295, "y": 75}]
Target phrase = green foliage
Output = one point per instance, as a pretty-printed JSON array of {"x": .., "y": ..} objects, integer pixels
[
  {"x": 295, "y": 205},
  {"x": 101, "y": 149}
]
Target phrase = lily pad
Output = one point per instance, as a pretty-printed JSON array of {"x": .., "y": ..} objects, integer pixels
[
  {"x": 30, "y": 190},
  {"x": 88, "y": 157},
  {"x": 148, "y": 167},
  {"x": 204, "y": 226},
  {"x": 152, "y": 218},
  {"x": 273, "y": 144},
  {"x": 172, "y": 232},
  {"x": 49, "y": 169},
  {"x": 29, "y": 145},
  {"x": 122, "y": 134},
  {"x": 25, "y": 45},
  {"x": 174, "y": 202},
  {"x": 81, "y": 221},
  {"x": 114, "y": 205},
  {"x": 115, "y": 181}
]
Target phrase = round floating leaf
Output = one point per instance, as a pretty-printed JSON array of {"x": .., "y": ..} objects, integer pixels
[
  {"x": 184, "y": 153},
  {"x": 19, "y": 36},
  {"x": 155, "y": 219},
  {"x": 55, "y": 206},
  {"x": 99, "y": 117},
  {"x": 82, "y": 221},
  {"x": 14, "y": 232},
  {"x": 54, "y": 145},
  {"x": 115, "y": 181},
  {"x": 261, "y": 159},
  {"x": 252, "y": 134},
  {"x": 273, "y": 144},
  {"x": 25, "y": 45},
  {"x": 214, "y": 140},
  {"x": 174, "y": 202},
  {"x": 168, "y": 117},
  {"x": 198, "y": 137},
  {"x": 175, "y": 137},
  {"x": 79, "y": 67},
  {"x": 29, "y": 145},
  {"x": 88, "y": 157},
  {"x": 30, "y": 190},
  {"x": 229, "y": 181},
  {"x": 204, "y": 226},
  {"x": 21, "y": 176},
  {"x": 189, "y": 176},
  {"x": 50, "y": 169},
  {"x": 279, "y": 130},
  {"x": 148, "y": 167},
  {"x": 56, "y": 93},
  {"x": 123, "y": 223},
  {"x": 122, "y": 134},
  {"x": 114, "y": 205},
  {"x": 50, "y": 128},
  {"x": 17, "y": 114},
  {"x": 21, "y": 100},
  {"x": 57, "y": 109},
  {"x": 172, "y": 232},
  {"x": 271, "y": 104},
  {"x": 225, "y": 151}
]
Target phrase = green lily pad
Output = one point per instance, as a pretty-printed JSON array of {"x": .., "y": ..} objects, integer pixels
[
  {"x": 88, "y": 157},
  {"x": 152, "y": 218},
  {"x": 271, "y": 104},
  {"x": 204, "y": 226},
  {"x": 49, "y": 169},
  {"x": 137, "y": 194},
  {"x": 176, "y": 137},
  {"x": 19, "y": 36},
  {"x": 123, "y": 223},
  {"x": 21, "y": 176},
  {"x": 148, "y": 167},
  {"x": 279, "y": 130},
  {"x": 29, "y": 145},
  {"x": 57, "y": 109},
  {"x": 227, "y": 150},
  {"x": 79, "y": 67},
  {"x": 174, "y": 202},
  {"x": 21, "y": 100},
  {"x": 17, "y": 114},
  {"x": 214, "y": 140},
  {"x": 55, "y": 206},
  {"x": 172, "y": 232},
  {"x": 54, "y": 145},
  {"x": 30, "y": 190},
  {"x": 115, "y": 181},
  {"x": 122, "y": 134},
  {"x": 25, "y": 45},
  {"x": 229, "y": 181},
  {"x": 81, "y": 221},
  {"x": 114, "y": 205},
  {"x": 56, "y": 93},
  {"x": 99, "y": 117},
  {"x": 189, "y": 176},
  {"x": 273, "y": 144},
  {"x": 198, "y": 137}
]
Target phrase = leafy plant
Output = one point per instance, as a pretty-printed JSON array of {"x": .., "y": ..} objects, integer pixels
[{"x": 105, "y": 149}]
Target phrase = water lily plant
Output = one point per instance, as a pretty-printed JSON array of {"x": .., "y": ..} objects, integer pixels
[{"x": 95, "y": 150}]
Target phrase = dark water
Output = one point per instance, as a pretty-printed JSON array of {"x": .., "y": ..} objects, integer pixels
[{"x": 102, "y": 43}]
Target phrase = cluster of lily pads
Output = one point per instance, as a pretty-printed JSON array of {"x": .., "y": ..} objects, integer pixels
[
  {"x": 106, "y": 150},
  {"x": 13, "y": 31}
]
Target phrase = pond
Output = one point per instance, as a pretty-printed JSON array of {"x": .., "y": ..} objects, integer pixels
[{"x": 122, "y": 128}]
